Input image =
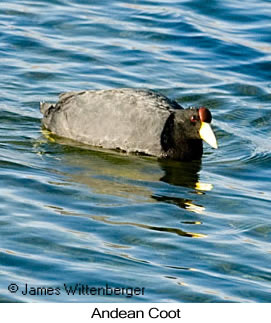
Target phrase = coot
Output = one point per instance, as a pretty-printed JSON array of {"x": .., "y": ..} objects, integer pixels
[{"x": 132, "y": 120}]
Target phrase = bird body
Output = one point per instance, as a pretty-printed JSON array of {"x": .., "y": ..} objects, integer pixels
[{"x": 132, "y": 120}]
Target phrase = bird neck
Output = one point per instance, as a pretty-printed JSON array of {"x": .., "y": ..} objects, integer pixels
[{"x": 175, "y": 143}]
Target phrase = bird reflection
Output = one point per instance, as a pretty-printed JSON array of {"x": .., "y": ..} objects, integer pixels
[
  {"x": 184, "y": 174},
  {"x": 180, "y": 173},
  {"x": 134, "y": 178}
]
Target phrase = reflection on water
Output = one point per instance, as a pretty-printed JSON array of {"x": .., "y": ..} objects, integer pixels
[
  {"x": 106, "y": 220},
  {"x": 181, "y": 173},
  {"x": 126, "y": 176}
]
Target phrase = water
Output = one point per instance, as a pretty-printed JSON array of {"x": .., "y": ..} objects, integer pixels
[{"x": 185, "y": 232}]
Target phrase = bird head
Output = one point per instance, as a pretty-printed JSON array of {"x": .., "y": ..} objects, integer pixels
[{"x": 196, "y": 124}]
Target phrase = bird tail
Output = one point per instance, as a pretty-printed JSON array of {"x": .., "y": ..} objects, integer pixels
[{"x": 45, "y": 106}]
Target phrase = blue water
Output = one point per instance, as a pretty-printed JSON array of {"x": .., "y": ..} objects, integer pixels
[{"x": 185, "y": 232}]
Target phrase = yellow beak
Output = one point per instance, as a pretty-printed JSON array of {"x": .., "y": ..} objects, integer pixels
[{"x": 206, "y": 133}]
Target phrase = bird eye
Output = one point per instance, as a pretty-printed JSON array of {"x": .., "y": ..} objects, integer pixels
[{"x": 194, "y": 119}]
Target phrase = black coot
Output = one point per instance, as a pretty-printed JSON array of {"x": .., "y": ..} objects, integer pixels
[{"x": 132, "y": 120}]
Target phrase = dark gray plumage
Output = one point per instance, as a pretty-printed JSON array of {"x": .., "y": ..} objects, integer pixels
[{"x": 132, "y": 120}]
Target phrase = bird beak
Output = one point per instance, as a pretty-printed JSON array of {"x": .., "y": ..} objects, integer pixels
[{"x": 206, "y": 133}]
